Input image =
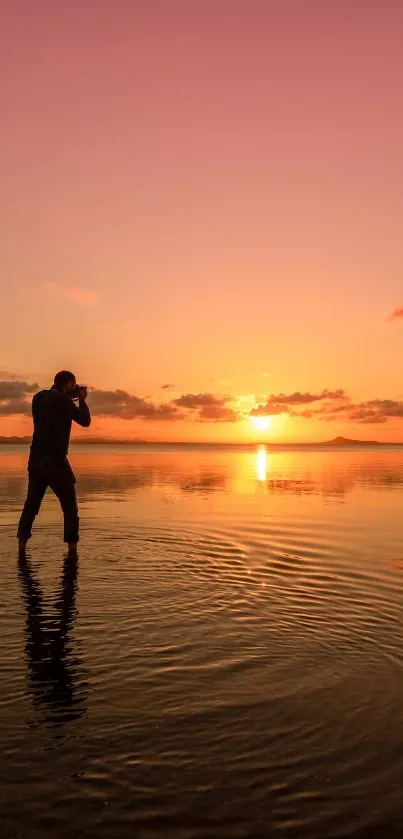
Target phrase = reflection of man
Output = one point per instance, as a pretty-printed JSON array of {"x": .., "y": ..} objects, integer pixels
[
  {"x": 53, "y": 671},
  {"x": 53, "y": 412}
]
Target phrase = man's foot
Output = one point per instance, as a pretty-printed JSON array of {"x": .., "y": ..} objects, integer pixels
[
  {"x": 22, "y": 546},
  {"x": 72, "y": 548}
]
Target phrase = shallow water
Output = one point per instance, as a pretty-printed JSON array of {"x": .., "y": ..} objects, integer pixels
[{"x": 225, "y": 660}]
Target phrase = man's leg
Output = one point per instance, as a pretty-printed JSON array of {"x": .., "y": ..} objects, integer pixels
[
  {"x": 66, "y": 493},
  {"x": 36, "y": 490}
]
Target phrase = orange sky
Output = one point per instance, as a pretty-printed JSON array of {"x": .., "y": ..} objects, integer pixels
[{"x": 207, "y": 195}]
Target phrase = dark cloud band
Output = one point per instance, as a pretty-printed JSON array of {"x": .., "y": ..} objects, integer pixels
[{"x": 327, "y": 405}]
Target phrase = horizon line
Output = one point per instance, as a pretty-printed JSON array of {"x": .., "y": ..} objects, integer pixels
[{"x": 339, "y": 441}]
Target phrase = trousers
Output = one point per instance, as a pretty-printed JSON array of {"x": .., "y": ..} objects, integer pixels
[{"x": 56, "y": 474}]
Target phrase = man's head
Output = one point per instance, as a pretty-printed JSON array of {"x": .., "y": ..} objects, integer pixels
[{"x": 65, "y": 381}]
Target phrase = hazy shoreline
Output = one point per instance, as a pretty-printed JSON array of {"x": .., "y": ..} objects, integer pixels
[{"x": 339, "y": 443}]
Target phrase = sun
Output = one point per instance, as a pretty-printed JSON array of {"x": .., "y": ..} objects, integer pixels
[{"x": 261, "y": 423}]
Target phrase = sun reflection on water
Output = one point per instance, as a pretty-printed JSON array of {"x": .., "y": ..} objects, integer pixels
[{"x": 261, "y": 464}]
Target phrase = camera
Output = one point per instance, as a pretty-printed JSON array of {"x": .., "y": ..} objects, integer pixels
[{"x": 75, "y": 394}]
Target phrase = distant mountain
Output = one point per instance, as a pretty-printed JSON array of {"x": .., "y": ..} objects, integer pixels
[
  {"x": 13, "y": 441},
  {"x": 345, "y": 441},
  {"x": 104, "y": 441},
  {"x": 80, "y": 441}
]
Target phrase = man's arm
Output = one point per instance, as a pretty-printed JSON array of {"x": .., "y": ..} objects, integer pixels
[{"x": 81, "y": 413}]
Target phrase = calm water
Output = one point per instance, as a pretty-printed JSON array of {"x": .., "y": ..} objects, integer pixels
[{"x": 225, "y": 660}]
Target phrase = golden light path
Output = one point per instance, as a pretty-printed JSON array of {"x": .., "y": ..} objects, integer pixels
[{"x": 261, "y": 464}]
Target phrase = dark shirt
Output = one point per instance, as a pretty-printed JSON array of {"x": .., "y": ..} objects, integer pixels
[{"x": 53, "y": 412}]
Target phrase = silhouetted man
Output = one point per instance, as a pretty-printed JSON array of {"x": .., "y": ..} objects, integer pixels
[{"x": 53, "y": 412}]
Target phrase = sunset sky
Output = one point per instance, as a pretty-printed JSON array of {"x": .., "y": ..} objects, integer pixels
[{"x": 202, "y": 214}]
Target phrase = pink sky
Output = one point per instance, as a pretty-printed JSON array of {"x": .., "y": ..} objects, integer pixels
[{"x": 202, "y": 193}]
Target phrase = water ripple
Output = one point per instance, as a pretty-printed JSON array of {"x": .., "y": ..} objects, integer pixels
[{"x": 223, "y": 671}]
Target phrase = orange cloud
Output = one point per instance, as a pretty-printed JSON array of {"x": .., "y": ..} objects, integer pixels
[
  {"x": 336, "y": 405},
  {"x": 396, "y": 314},
  {"x": 15, "y": 397},
  {"x": 208, "y": 406},
  {"x": 124, "y": 405},
  {"x": 329, "y": 405},
  {"x": 281, "y": 403},
  {"x": 72, "y": 293}
]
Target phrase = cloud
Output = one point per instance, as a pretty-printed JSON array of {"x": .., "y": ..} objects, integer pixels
[
  {"x": 82, "y": 295},
  {"x": 15, "y": 389},
  {"x": 372, "y": 411},
  {"x": 384, "y": 407},
  {"x": 396, "y": 314},
  {"x": 15, "y": 397},
  {"x": 72, "y": 293},
  {"x": 306, "y": 414},
  {"x": 307, "y": 398},
  {"x": 332, "y": 406},
  {"x": 120, "y": 403},
  {"x": 16, "y": 406},
  {"x": 124, "y": 405},
  {"x": 269, "y": 408},
  {"x": 208, "y": 406},
  {"x": 328, "y": 405},
  {"x": 280, "y": 403}
]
